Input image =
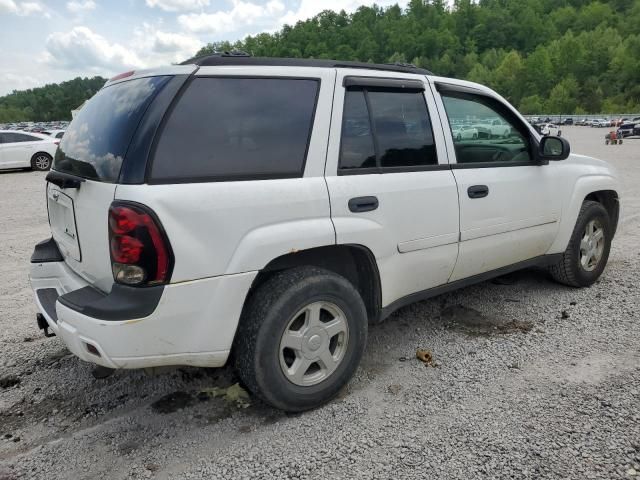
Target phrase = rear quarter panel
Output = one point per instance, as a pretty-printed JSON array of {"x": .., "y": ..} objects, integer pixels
[{"x": 228, "y": 227}]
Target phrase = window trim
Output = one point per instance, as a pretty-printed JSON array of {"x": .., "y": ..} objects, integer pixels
[
  {"x": 378, "y": 169},
  {"x": 403, "y": 84},
  {"x": 469, "y": 93},
  {"x": 148, "y": 178}
]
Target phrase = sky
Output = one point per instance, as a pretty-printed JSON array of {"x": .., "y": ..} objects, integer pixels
[{"x": 54, "y": 40}]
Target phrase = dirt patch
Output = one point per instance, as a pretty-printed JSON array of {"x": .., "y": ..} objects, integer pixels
[
  {"x": 173, "y": 402},
  {"x": 473, "y": 322}
]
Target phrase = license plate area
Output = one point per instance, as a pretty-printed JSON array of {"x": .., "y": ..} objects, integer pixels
[{"x": 63, "y": 223}]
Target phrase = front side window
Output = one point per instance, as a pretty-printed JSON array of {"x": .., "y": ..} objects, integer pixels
[
  {"x": 237, "y": 129},
  {"x": 386, "y": 129},
  {"x": 483, "y": 132}
]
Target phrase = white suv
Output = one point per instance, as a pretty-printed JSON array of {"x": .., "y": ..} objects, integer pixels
[{"x": 268, "y": 209}]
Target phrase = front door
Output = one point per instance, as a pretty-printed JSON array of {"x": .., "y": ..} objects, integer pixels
[
  {"x": 390, "y": 185},
  {"x": 509, "y": 209}
]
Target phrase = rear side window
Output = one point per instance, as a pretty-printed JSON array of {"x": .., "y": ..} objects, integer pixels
[
  {"x": 386, "y": 129},
  {"x": 10, "y": 137},
  {"x": 236, "y": 129},
  {"x": 96, "y": 141}
]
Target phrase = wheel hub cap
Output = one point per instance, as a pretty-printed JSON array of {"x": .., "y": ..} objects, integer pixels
[
  {"x": 592, "y": 245},
  {"x": 314, "y": 343}
]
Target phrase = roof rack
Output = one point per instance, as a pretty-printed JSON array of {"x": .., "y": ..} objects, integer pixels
[{"x": 243, "y": 58}]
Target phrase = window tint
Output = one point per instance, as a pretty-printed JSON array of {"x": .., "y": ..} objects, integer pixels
[
  {"x": 237, "y": 128},
  {"x": 403, "y": 129},
  {"x": 59, "y": 134},
  {"x": 403, "y": 133},
  {"x": 15, "y": 137},
  {"x": 481, "y": 133},
  {"x": 97, "y": 139},
  {"x": 356, "y": 148}
]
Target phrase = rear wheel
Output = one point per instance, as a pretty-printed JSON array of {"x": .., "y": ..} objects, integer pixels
[
  {"x": 301, "y": 338},
  {"x": 588, "y": 251},
  {"x": 41, "y": 161}
]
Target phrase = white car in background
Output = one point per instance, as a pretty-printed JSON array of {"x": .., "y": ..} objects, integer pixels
[
  {"x": 58, "y": 134},
  {"x": 464, "y": 132},
  {"x": 550, "y": 129},
  {"x": 493, "y": 128},
  {"x": 26, "y": 150}
]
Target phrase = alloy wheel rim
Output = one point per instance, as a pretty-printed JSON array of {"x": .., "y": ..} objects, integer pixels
[
  {"x": 592, "y": 245},
  {"x": 42, "y": 162},
  {"x": 314, "y": 343}
]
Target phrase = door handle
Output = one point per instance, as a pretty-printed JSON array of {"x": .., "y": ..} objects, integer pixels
[
  {"x": 478, "y": 191},
  {"x": 363, "y": 204}
]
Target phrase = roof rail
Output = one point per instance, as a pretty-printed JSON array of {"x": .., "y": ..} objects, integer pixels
[{"x": 242, "y": 58}]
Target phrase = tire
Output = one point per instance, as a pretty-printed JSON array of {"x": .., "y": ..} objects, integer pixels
[
  {"x": 41, "y": 162},
  {"x": 282, "y": 309},
  {"x": 571, "y": 269}
]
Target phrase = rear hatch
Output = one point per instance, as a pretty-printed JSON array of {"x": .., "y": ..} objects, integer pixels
[{"x": 93, "y": 150}]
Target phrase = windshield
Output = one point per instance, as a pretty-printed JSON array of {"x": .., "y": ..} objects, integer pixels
[{"x": 97, "y": 139}]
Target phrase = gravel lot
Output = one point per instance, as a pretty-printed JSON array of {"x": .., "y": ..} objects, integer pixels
[{"x": 531, "y": 380}]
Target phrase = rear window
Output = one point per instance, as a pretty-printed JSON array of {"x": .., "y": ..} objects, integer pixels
[
  {"x": 237, "y": 129},
  {"x": 96, "y": 141}
]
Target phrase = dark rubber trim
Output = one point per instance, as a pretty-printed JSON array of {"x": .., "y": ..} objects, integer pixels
[
  {"x": 378, "y": 82},
  {"x": 46, "y": 251},
  {"x": 64, "y": 180},
  {"x": 123, "y": 303},
  {"x": 215, "y": 60},
  {"x": 47, "y": 298},
  {"x": 541, "y": 261}
]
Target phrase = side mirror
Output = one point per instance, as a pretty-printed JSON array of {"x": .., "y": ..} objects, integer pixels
[{"x": 553, "y": 148}]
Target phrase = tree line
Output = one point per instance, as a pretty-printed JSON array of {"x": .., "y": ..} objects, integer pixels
[
  {"x": 49, "y": 103},
  {"x": 544, "y": 56}
]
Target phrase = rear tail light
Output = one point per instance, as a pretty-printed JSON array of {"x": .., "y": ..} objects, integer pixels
[
  {"x": 140, "y": 251},
  {"x": 57, "y": 142}
]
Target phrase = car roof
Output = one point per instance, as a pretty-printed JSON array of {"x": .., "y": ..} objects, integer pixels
[
  {"x": 234, "y": 59},
  {"x": 33, "y": 134}
]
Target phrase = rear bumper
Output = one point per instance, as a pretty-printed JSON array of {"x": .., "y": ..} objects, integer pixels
[{"x": 192, "y": 323}]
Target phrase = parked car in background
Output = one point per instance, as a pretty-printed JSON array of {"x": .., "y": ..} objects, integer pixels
[
  {"x": 26, "y": 150},
  {"x": 493, "y": 128},
  {"x": 464, "y": 132},
  {"x": 625, "y": 130},
  {"x": 54, "y": 133},
  {"x": 567, "y": 121},
  {"x": 636, "y": 129},
  {"x": 550, "y": 129},
  {"x": 600, "y": 123}
]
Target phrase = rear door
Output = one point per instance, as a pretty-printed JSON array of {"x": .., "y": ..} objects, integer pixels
[
  {"x": 93, "y": 149},
  {"x": 509, "y": 209},
  {"x": 389, "y": 180}
]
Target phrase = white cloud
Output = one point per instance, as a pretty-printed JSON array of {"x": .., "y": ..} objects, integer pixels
[
  {"x": 242, "y": 14},
  {"x": 177, "y": 5},
  {"x": 80, "y": 7},
  {"x": 82, "y": 49},
  {"x": 20, "y": 8},
  {"x": 163, "y": 48},
  {"x": 18, "y": 82}
]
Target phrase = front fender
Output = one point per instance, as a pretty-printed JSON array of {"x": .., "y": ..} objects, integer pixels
[{"x": 583, "y": 186}]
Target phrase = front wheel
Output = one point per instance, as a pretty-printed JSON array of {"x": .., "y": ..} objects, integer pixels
[
  {"x": 301, "y": 338},
  {"x": 586, "y": 255},
  {"x": 41, "y": 162}
]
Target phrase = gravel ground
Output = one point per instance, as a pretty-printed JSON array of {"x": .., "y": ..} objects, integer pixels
[{"x": 530, "y": 380}]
